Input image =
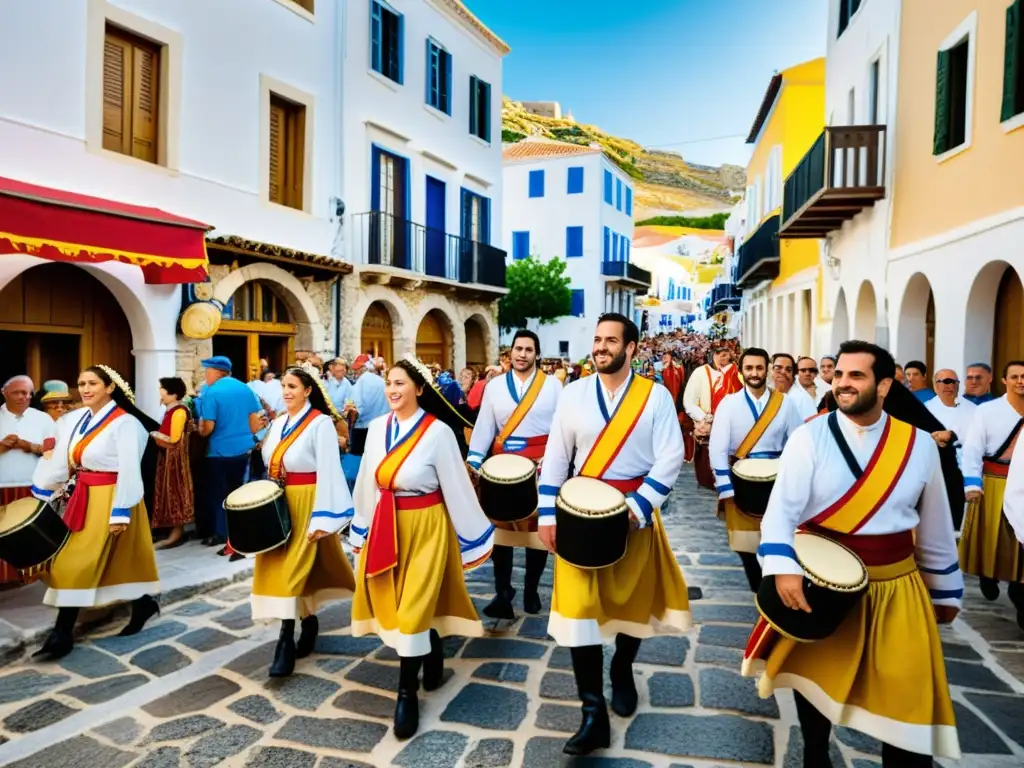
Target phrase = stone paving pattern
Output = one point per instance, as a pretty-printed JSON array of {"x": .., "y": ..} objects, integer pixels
[{"x": 509, "y": 699}]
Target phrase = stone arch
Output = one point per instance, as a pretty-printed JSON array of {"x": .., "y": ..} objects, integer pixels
[
  {"x": 478, "y": 342},
  {"x": 992, "y": 325},
  {"x": 435, "y": 336},
  {"x": 450, "y": 319},
  {"x": 309, "y": 330},
  {"x": 840, "y": 321},
  {"x": 866, "y": 314},
  {"x": 915, "y": 330},
  {"x": 398, "y": 310}
]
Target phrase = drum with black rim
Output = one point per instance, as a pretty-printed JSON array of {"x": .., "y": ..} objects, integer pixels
[
  {"x": 752, "y": 483},
  {"x": 835, "y": 580},
  {"x": 508, "y": 487},
  {"x": 257, "y": 517},
  {"x": 31, "y": 533},
  {"x": 592, "y": 521}
]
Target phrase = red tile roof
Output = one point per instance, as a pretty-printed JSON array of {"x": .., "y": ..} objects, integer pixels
[{"x": 529, "y": 150}]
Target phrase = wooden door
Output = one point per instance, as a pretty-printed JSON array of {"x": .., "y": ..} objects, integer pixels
[
  {"x": 1007, "y": 330},
  {"x": 476, "y": 346},
  {"x": 376, "y": 334},
  {"x": 432, "y": 342}
]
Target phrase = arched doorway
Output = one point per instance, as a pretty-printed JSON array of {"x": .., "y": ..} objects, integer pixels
[
  {"x": 257, "y": 326},
  {"x": 916, "y": 340},
  {"x": 840, "y": 322},
  {"x": 1007, "y": 331},
  {"x": 867, "y": 313},
  {"x": 433, "y": 339},
  {"x": 55, "y": 320},
  {"x": 376, "y": 335},
  {"x": 476, "y": 345}
]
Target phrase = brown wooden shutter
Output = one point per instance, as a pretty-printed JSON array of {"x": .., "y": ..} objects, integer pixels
[
  {"x": 1012, "y": 63},
  {"x": 296, "y": 155},
  {"x": 278, "y": 127},
  {"x": 942, "y": 82},
  {"x": 116, "y": 94},
  {"x": 145, "y": 104}
]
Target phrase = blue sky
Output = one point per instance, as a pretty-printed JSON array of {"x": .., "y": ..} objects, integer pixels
[{"x": 657, "y": 71}]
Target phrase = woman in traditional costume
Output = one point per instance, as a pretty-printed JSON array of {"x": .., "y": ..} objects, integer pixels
[
  {"x": 291, "y": 581},
  {"x": 418, "y": 515},
  {"x": 95, "y": 470},
  {"x": 173, "y": 499}
]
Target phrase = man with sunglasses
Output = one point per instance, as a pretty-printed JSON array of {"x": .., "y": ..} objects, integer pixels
[
  {"x": 806, "y": 376},
  {"x": 954, "y": 412},
  {"x": 783, "y": 377}
]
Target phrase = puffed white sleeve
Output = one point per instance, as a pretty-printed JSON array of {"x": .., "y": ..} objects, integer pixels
[
  {"x": 973, "y": 451},
  {"x": 793, "y": 418},
  {"x": 935, "y": 541},
  {"x": 668, "y": 460},
  {"x": 130, "y": 437},
  {"x": 332, "y": 507},
  {"x": 272, "y": 438},
  {"x": 51, "y": 471},
  {"x": 554, "y": 468},
  {"x": 786, "y": 505},
  {"x": 718, "y": 448},
  {"x": 1013, "y": 495},
  {"x": 366, "y": 491},
  {"x": 691, "y": 396},
  {"x": 474, "y": 530},
  {"x": 484, "y": 430}
]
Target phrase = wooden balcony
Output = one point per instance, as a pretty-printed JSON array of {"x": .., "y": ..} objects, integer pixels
[
  {"x": 840, "y": 176},
  {"x": 758, "y": 257}
]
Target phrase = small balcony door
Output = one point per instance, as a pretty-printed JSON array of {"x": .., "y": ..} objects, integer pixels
[
  {"x": 436, "y": 191},
  {"x": 389, "y": 200},
  {"x": 475, "y": 230}
]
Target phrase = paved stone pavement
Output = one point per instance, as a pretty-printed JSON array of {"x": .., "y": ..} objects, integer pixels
[{"x": 191, "y": 690}]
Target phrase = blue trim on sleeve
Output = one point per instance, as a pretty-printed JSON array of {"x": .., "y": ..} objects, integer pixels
[
  {"x": 646, "y": 508},
  {"x": 970, "y": 482},
  {"x": 350, "y": 512},
  {"x": 945, "y": 594},
  {"x": 467, "y": 545},
  {"x": 724, "y": 487},
  {"x": 474, "y": 453},
  {"x": 360, "y": 531},
  {"x": 545, "y": 512},
  {"x": 763, "y": 455},
  {"x": 125, "y": 512},
  {"x": 41, "y": 492},
  {"x": 664, "y": 490},
  {"x": 722, "y": 472},
  {"x": 941, "y": 571},
  {"x": 780, "y": 550},
  {"x": 547, "y": 489}
]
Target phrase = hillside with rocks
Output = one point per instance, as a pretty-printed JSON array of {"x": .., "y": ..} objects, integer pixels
[{"x": 665, "y": 182}]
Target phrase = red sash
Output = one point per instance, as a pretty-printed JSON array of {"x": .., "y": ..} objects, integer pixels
[
  {"x": 74, "y": 515},
  {"x": 534, "y": 447},
  {"x": 276, "y": 467},
  {"x": 729, "y": 383},
  {"x": 300, "y": 478}
]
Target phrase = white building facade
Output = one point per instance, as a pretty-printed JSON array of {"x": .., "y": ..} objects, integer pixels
[{"x": 571, "y": 202}]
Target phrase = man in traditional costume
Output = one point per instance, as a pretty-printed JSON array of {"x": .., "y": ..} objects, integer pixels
[
  {"x": 515, "y": 417},
  {"x": 988, "y": 546},
  {"x": 673, "y": 376},
  {"x": 620, "y": 428},
  {"x": 874, "y": 484},
  {"x": 751, "y": 424},
  {"x": 25, "y": 434},
  {"x": 954, "y": 412},
  {"x": 707, "y": 386}
]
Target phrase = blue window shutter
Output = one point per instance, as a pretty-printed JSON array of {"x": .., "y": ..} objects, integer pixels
[
  {"x": 573, "y": 242},
  {"x": 448, "y": 84},
  {"x": 607, "y": 245},
  {"x": 401, "y": 49},
  {"x": 485, "y": 220},
  {"x": 431, "y": 74},
  {"x": 472, "y": 104},
  {"x": 629, "y": 201},
  {"x": 608, "y": 187},
  {"x": 375, "y": 37},
  {"x": 536, "y": 183},
  {"x": 465, "y": 220},
  {"x": 487, "y": 112},
  {"x": 520, "y": 245},
  {"x": 625, "y": 245},
  {"x": 577, "y": 308},
  {"x": 575, "y": 185},
  {"x": 375, "y": 179},
  {"x": 671, "y": 289},
  {"x": 618, "y": 194}
]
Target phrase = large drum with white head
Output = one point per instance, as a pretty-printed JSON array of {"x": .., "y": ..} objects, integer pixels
[
  {"x": 508, "y": 487},
  {"x": 752, "y": 483},
  {"x": 593, "y": 523},
  {"x": 257, "y": 517},
  {"x": 31, "y": 533}
]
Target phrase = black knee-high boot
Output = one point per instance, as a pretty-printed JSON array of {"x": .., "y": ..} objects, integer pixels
[
  {"x": 62, "y": 639},
  {"x": 816, "y": 730},
  {"x": 501, "y": 606},
  {"x": 536, "y": 561},
  {"x": 284, "y": 654},
  {"x": 894, "y": 757},
  {"x": 989, "y": 588},
  {"x": 143, "y": 609},
  {"x": 624, "y": 696},
  {"x": 407, "y": 708},
  {"x": 595, "y": 730},
  {"x": 433, "y": 663},
  {"x": 752, "y": 569},
  {"x": 307, "y": 636}
]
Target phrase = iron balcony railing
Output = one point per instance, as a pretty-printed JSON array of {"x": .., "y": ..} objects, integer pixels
[
  {"x": 626, "y": 271},
  {"x": 758, "y": 257},
  {"x": 382, "y": 239},
  {"x": 724, "y": 296}
]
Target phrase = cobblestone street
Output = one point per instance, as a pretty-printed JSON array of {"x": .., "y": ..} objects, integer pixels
[{"x": 192, "y": 690}]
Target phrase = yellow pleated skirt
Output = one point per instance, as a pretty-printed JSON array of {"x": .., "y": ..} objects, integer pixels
[
  {"x": 641, "y": 595},
  {"x": 425, "y": 591},
  {"x": 882, "y": 673},
  {"x": 744, "y": 530},
  {"x": 522, "y": 533},
  {"x": 293, "y": 581},
  {"x": 988, "y": 545},
  {"x": 96, "y": 568}
]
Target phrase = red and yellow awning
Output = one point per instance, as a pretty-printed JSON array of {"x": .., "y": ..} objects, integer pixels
[{"x": 63, "y": 226}]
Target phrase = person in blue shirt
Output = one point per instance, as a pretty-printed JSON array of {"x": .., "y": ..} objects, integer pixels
[
  {"x": 229, "y": 416},
  {"x": 978, "y": 383},
  {"x": 339, "y": 388},
  {"x": 368, "y": 401},
  {"x": 916, "y": 374}
]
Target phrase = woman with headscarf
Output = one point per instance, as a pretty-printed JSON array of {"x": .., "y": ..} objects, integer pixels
[
  {"x": 96, "y": 471},
  {"x": 419, "y": 525}
]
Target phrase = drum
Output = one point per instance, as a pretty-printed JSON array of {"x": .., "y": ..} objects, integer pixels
[
  {"x": 31, "y": 533},
  {"x": 752, "y": 482},
  {"x": 257, "y": 517},
  {"x": 835, "y": 579},
  {"x": 593, "y": 523},
  {"x": 508, "y": 487}
]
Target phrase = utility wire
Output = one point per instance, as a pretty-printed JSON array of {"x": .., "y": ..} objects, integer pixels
[{"x": 696, "y": 141}]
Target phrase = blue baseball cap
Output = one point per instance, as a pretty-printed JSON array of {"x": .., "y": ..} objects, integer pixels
[{"x": 218, "y": 363}]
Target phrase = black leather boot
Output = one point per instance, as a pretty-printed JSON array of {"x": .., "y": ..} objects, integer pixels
[
  {"x": 284, "y": 654},
  {"x": 624, "y": 694},
  {"x": 536, "y": 560},
  {"x": 595, "y": 731},
  {"x": 143, "y": 610},
  {"x": 62, "y": 639},
  {"x": 989, "y": 588},
  {"x": 433, "y": 663},
  {"x": 307, "y": 637},
  {"x": 407, "y": 708},
  {"x": 501, "y": 606}
]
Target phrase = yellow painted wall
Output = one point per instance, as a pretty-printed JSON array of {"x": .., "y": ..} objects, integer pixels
[{"x": 931, "y": 197}]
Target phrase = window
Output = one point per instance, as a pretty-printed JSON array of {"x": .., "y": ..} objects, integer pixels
[
  {"x": 577, "y": 302},
  {"x": 575, "y": 186},
  {"x": 520, "y": 245},
  {"x": 536, "y": 183},
  {"x": 874, "y": 77},
  {"x": 625, "y": 249},
  {"x": 563, "y": 349},
  {"x": 608, "y": 187},
  {"x": 439, "y": 77},
  {"x": 256, "y": 302},
  {"x": 131, "y": 95},
  {"x": 476, "y": 217},
  {"x": 629, "y": 201},
  {"x": 287, "y": 151},
  {"x": 573, "y": 242},
  {"x": 1013, "y": 63},
  {"x": 480, "y": 108},
  {"x": 386, "y": 35},
  {"x": 607, "y": 252},
  {"x": 951, "y": 97},
  {"x": 618, "y": 194},
  {"x": 846, "y": 10},
  {"x": 615, "y": 246}
]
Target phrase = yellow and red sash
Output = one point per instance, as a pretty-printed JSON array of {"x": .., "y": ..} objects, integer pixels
[
  {"x": 382, "y": 547},
  {"x": 727, "y": 383},
  {"x": 75, "y": 454},
  {"x": 771, "y": 410},
  {"x": 287, "y": 440},
  {"x": 619, "y": 427},
  {"x": 522, "y": 408}
]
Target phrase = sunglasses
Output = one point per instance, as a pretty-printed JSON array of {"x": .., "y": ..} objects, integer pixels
[{"x": 947, "y": 381}]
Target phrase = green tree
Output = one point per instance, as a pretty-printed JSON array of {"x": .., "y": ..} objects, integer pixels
[
  {"x": 714, "y": 221},
  {"x": 536, "y": 290}
]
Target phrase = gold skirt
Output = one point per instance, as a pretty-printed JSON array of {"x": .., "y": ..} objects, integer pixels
[
  {"x": 522, "y": 533},
  {"x": 988, "y": 545},
  {"x": 95, "y": 568},
  {"x": 881, "y": 673},
  {"x": 292, "y": 581},
  {"x": 744, "y": 530},
  {"x": 641, "y": 595},
  {"x": 425, "y": 591}
]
